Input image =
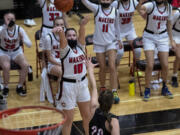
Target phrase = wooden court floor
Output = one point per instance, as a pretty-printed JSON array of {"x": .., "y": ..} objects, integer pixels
[{"x": 127, "y": 105}]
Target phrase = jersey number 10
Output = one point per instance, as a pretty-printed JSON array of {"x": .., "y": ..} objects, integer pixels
[{"x": 78, "y": 68}]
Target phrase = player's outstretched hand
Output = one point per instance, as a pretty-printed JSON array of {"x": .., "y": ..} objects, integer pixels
[
  {"x": 90, "y": 66},
  {"x": 84, "y": 21}
]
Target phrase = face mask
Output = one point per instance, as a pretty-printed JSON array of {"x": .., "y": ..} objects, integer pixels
[
  {"x": 105, "y": 5},
  {"x": 159, "y": 2},
  {"x": 124, "y": 0},
  {"x": 11, "y": 23},
  {"x": 72, "y": 43}
]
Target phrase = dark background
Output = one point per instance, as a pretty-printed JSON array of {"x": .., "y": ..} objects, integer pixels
[{"x": 20, "y": 10}]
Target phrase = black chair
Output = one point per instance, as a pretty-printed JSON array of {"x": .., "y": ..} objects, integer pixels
[{"x": 140, "y": 65}]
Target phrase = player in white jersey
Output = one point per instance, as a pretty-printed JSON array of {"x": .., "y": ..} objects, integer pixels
[
  {"x": 176, "y": 37},
  {"x": 74, "y": 83},
  {"x": 52, "y": 46},
  {"x": 126, "y": 9},
  {"x": 157, "y": 33},
  {"x": 106, "y": 38},
  {"x": 10, "y": 49},
  {"x": 49, "y": 13}
]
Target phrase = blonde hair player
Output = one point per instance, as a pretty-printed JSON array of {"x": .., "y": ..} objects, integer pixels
[
  {"x": 176, "y": 37},
  {"x": 126, "y": 9},
  {"x": 106, "y": 38},
  {"x": 10, "y": 36},
  {"x": 51, "y": 47},
  {"x": 157, "y": 33},
  {"x": 49, "y": 13}
]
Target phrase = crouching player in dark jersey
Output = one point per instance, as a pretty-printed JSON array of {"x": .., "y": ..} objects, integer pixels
[{"x": 102, "y": 122}]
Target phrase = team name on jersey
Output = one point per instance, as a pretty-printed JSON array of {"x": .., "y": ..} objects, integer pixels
[
  {"x": 77, "y": 59},
  {"x": 106, "y": 20},
  {"x": 160, "y": 18},
  {"x": 130, "y": 14},
  {"x": 51, "y": 9},
  {"x": 7, "y": 40}
]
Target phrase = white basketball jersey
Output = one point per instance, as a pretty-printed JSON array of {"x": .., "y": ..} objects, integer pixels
[
  {"x": 125, "y": 16},
  {"x": 49, "y": 13},
  {"x": 104, "y": 27},
  {"x": 73, "y": 64},
  {"x": 157, "y": 20},
  {"x": 176, "y": 25},
  {"x": 10, "y": 41},
  {"x": 55, "y": 45}
]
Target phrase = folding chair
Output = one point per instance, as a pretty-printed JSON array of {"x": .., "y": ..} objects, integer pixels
[
  {"x": 140, "y": 65},
  {"x": 48, "y": 90},
  {"x": 39, "y": 54}
]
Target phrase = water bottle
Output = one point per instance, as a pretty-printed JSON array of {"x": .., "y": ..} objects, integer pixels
[
  {"x": 131, "y": 87},
  {"x": 30, "y": 74}
]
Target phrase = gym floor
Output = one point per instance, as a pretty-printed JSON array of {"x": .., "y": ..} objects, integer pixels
[{"x": 158, "y": 116}]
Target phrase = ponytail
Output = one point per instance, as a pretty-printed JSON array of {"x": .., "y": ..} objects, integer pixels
[
  {"x": 109, "y": 118},
  {"x": 105, "y": 101}
]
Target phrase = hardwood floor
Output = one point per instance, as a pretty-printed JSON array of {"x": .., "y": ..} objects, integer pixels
[{"x": 127, "y": 105}]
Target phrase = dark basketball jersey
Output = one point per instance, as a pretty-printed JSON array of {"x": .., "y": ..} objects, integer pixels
[{"x": 97, "y": 124}]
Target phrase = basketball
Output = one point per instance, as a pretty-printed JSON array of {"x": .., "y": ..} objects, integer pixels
[{"x": 64, "y": 5}]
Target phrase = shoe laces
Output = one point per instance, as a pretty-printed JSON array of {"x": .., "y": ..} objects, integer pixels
[{"x": 115, "y": 94}]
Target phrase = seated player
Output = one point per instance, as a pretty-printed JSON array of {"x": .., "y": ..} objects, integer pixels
[
  {"x": 52, "y": 46},
  {"x": 11, "y": 35}
]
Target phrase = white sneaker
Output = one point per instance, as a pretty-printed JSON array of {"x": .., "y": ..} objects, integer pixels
[
  {"x": 33, "y": 22},
  {"x": 28, "y": 22}
]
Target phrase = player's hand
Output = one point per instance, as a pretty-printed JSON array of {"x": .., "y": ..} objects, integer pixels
[
  {"x": 57, "y": 29},
  {"x": 120, "y": 44},
  {"x": 90, "y": 66},
  {"x": 173, "y": 44},
  {"x": 84, "y": 21}
]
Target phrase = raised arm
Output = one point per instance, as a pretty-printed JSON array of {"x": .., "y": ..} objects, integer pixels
[
  {"x": 91, "y": 6},
  {"x": 63, "y": 41},
  {"x": 94, "y": 95},
  {"x": 82, "y": 24}
]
